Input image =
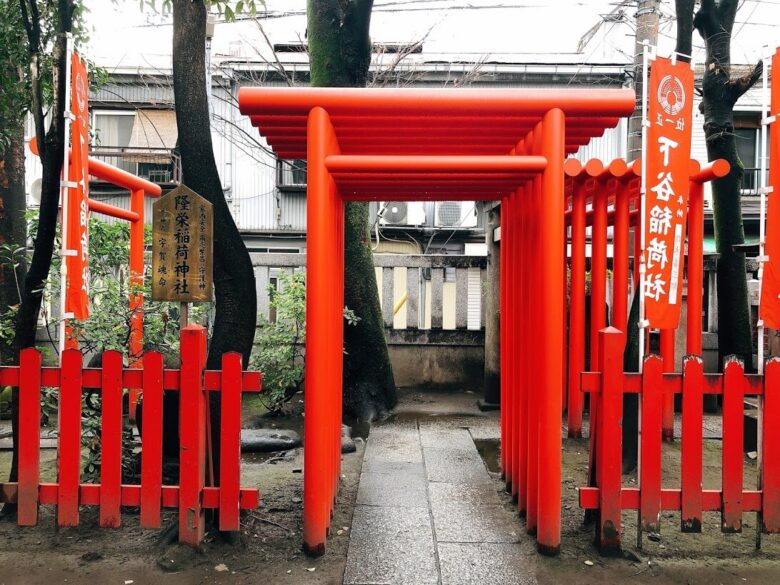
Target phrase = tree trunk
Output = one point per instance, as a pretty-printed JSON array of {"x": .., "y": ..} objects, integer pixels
[
  {"x": 715, "y": 21},
  {"x": 340, "y": 54},
  {"x": 234, "y": 279},
  {"x": 51, "y": 144},
  {"x": 13, "y": 227}
]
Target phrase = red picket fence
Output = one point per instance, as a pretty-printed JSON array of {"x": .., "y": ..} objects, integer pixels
[
  {"x": 649, "y": 498},
  {"x": 192, "y": 496}
]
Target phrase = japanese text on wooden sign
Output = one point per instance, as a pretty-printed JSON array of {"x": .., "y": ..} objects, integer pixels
[
  {"x": 670, "y": 100},
  {"x": 77, "y": 297},
  {"x": 182, "y": 244},
  {"x": 770, "y": 286}
]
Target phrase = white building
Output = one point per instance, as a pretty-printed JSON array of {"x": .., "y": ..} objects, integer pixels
[{"x": 429, "y": 42}]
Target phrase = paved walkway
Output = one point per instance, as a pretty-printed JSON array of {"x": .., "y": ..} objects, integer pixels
[{"x": 429, "y": 513}]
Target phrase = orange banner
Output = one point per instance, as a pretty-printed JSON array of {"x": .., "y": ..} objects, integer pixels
[
  {"x": 669, "y": 113},
  {"x": 770, "y": 287},
  {"x": 77, "y": 299}
]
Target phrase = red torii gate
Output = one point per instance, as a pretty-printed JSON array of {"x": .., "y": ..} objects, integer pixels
[{"x": 441, "y": 144}]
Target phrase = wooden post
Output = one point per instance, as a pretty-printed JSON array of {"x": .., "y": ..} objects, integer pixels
[
  {"x": 111, "y": 441},
  {"x": 29, "y": 436},
  {"x": 733, "y": 443},
  {"x": 151, "y": 441},
  {"x": 610, "y": 400},
  {"x": 692, "y": 423},
  {"x": 230, "y": 443},
  {"x": 192, "y": 436},
  {"x": 492, "y": 393},
  {"x": 69, "y": 447},
  {"x": 651, "y": 416}
]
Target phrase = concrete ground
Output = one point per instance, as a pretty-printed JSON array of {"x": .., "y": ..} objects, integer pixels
[{"x": 427, "y": 509}]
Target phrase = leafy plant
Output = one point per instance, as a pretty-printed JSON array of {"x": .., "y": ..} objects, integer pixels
[
  {"x": 108, "y": 324},
  {"x": 280, "y": 343}
]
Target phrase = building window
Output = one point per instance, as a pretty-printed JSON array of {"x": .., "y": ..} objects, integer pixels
[
  {"x": 747, "y": 131},
  {"x": 748, "y": 142},
  {"x": 291, "y": 174},
  {"x": 111, "y": 135},
  {"x": 141, "y": 142}
]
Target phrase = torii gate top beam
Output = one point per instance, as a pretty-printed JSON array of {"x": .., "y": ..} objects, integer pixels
[{"x": 454, "y": 122}]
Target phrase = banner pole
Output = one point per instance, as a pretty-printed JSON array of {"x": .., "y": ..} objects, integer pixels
[
  {"x": 65, "y": 186},
  {"x": 762, "y": 220},
  {"x": 762, "y": 189},
  {"x": 642, "y": 198}
]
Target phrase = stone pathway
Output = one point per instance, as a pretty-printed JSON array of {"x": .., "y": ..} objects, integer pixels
[{"x": 429, "y": 513}]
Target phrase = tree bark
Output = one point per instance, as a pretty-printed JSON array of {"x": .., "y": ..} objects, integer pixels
[
  {"x": 51, "y": 145},
  {"x": 340, "y": 55},
  {"x": 234, "y": 279},
  {"x": 13, "y": 227},
  {"x": 714, "y": 22}
]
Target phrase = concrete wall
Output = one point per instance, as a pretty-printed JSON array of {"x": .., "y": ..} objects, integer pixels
[{"x": 438, "y": 359}]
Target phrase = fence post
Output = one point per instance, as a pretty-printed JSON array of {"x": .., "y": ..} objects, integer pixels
[
  {"x": 230, "y": 442},
  {"x": 111, "y": 441},
  {"x": 692, "y": 422},
  {"x": 69, "y": 439},
  {"x": 29, "y": 436},
  {"x": 151, "y": 440},
  {"x": 733, "y": 442},
  {"x": 609, "y": 441},
  {"x": 653, "y": 401},
  {"x": 770, "y": 483},
  {"x": 192, "y": 436}
]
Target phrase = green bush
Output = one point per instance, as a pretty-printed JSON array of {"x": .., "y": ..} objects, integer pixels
[{"x": 279, "y": 344}]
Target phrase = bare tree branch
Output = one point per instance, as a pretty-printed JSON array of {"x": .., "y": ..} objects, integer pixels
[{"x": 743, "y": 84}]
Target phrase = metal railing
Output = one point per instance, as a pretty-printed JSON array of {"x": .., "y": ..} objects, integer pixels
[{"x": 158, "y": 165}]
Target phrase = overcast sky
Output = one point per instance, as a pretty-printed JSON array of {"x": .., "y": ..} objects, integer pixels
[{"x": 467, "y": 27}]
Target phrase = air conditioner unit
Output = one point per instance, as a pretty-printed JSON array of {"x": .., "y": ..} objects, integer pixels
[
  {"x": 34, "y": 197},
  {"x": 401, "y": 213},
  {"x": 456, "y": 214}
]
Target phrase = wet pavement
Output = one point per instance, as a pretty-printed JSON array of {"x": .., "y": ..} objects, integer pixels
[{"x": 428, "y": 511}]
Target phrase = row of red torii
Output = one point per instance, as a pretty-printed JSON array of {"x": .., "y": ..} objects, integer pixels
[{"x": 416, "y": 144}]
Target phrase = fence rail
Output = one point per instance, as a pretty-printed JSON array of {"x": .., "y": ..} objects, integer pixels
[
  {"x": 191, "y": 496},
  {"x": 610, "y": 497},
  {"x": 422, "y": 291}
]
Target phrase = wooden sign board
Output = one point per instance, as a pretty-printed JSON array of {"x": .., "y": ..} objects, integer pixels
[{"x": 182, "y": 247}]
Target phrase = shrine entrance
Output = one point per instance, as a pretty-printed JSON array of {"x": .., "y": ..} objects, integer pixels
[{"x": 443, "y": 144}]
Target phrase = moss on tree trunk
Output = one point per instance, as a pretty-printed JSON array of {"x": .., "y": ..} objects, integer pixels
[{"x": 340, "y": 53}]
